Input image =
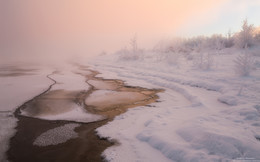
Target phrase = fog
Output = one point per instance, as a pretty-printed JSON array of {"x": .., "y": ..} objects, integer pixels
[{"x": 57, "y": 29}]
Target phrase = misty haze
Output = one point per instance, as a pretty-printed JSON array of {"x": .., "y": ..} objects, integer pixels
[{"x": 129, "y": 81}]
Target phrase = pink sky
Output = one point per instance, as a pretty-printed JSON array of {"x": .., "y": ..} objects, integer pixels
[{"x": 100, "y": 24}]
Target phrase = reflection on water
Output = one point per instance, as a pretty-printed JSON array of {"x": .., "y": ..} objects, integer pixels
[{"x": 60, "y": 105}]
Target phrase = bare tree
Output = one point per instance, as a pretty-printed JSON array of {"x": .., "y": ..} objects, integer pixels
[
  {"x": 229, "y": 40},
  {"x": 133, "y": 43}
]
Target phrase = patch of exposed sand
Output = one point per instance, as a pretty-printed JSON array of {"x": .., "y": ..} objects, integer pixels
[{"x": 112, "y": 97}]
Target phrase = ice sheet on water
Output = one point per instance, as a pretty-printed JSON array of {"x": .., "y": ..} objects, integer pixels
[
  {"x": 76, "y": 113},
  {"x": 14, "y": 92},
  {"x": 57, "y": 135},
  {"x": 69, "y": 81}
]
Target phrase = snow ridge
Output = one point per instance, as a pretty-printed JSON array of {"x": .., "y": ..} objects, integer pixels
[{"x": 202, "y": 115}]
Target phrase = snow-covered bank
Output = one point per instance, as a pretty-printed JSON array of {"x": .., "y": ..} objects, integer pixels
[
  {"x": 14, "y": 91},
  {"x": 204, "y": 114},
  {"x": 60, "y": 102},
  {"x": 20, "y": 83}
]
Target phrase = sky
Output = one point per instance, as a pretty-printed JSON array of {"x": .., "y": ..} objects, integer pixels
[{"x": 87, "y": 27}]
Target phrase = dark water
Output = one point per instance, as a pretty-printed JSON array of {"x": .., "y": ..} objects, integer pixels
[{"x": 87, "y": 147}]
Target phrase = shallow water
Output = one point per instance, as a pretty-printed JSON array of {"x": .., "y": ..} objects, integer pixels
[
  {"x": 87, "y": 146},
  {"x": 105, "y": 85},
  {"x": 111, "y": 99}
]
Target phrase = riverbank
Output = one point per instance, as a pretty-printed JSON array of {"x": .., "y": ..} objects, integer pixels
[{"x": 87, "y": 146}]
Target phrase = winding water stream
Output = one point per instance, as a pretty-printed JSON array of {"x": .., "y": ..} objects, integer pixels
[{"x": 106, "y": 98}]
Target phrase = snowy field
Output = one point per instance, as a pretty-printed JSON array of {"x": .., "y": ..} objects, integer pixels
[
  {"x": 209, "y": 111},
  {"x": 205, "y": 114}
]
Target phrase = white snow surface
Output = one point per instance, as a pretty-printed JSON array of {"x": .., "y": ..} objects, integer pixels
[
  {"x": 203, "y": 115},
  {"x": 14, "y": 91},
  {"x": 68, "y": 80},
  {"x": 57, "y": 135}
]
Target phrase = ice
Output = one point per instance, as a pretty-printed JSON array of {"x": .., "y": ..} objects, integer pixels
[
  {"x": 203, "y": 114},
  {"x": 75, "y": 113},
  {"x": 59, "y": 103},
  {"x": 57, "y": 135},
  {"x": 69, "y": 81},
  {"x": 14, "y": 91},
  {"x": 20, "y": 86},
  {"x": 107, "y": 98},
  {"x": 105, "y": 85}
]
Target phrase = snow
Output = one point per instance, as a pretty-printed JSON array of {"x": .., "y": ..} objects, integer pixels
[
  {"x": 229, "y": 100},
  {"x": 75, "y": 113},
  {"x": 107, "y": 98},
  {"x": 14, "y": 91},
  {"x": 19, "y": 88},
  {"x": 57, "y": 135},
  {"x": 68, "y": 80},
  {"x": 203, "y": 115},
  {"x": 60, "y": 107}
]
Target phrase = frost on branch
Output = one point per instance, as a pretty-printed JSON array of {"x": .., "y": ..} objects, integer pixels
[
  {"x": 245, "y": 38},
  {"x": 244, "y": 64},
  {"x": 131, "y": 54}
]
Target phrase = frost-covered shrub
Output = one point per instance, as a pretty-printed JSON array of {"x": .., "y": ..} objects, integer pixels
[
  {"x": 172, "y": 58},
  {"x": 257, "y": 34},
  {"x": 229, "y": 41},
  {"x": 197, "y": 44},
  {"x": 169, "y": 50},
  {"x": 216, "y": 41},
  {"x": 129, "y": 55},
  {"x": 203, "y": 60},
  {"x": 244, "y": 38},
  {"x": 160, "y": 56},
  {"x": 201, "y": 43},
  {"x": 244, "y": 64}
]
